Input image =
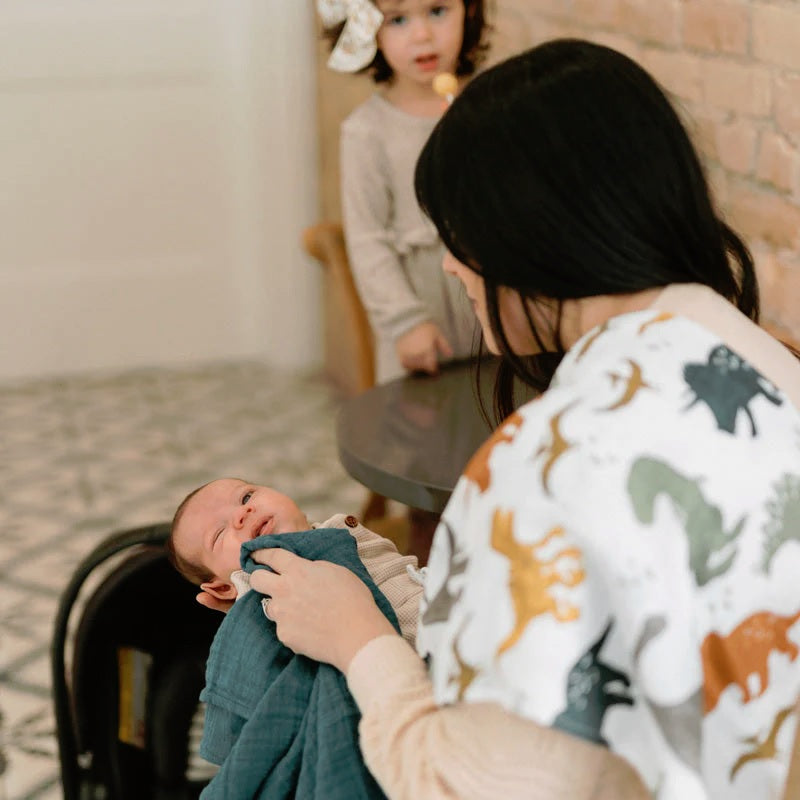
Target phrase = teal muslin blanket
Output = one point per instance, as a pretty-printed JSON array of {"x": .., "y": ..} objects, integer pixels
[{"x": 279, "y": 724}]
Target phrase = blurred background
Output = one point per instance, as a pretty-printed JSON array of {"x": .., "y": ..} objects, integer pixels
[
  {"x": 160, "y": 322},
  {"x": 159, "y": 160},
  {"x": 732, "y": 67}
]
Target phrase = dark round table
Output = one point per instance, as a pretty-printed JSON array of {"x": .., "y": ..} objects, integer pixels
[{"x": 411, "y": 438}]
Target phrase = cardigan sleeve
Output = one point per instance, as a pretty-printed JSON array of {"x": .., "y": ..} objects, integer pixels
[
  {"x": 390, "y": 572},
  {"x": 416, "y": 749}
]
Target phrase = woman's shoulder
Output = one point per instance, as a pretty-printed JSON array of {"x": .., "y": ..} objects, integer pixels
[
  {"x": 668, "y": 345},
  {"x": 650, "y": 338},
  {"x": 630, "y": 368}
]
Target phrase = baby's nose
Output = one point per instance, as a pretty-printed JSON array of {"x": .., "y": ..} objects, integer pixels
[{"x": 240, "y": 515}]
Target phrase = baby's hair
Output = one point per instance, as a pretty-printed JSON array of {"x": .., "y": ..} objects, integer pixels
[
  {"x": 192, "y": 571},
  {"x": 473, "y": 48}
]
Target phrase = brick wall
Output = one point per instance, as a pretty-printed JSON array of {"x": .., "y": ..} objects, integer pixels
[{"x": 733, "y": 68}]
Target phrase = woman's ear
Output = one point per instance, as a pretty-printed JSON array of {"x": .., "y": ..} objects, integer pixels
[{"x": 220, "y": 589}]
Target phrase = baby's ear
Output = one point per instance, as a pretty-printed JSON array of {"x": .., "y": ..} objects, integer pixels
[{"x": 220, "y": 589}]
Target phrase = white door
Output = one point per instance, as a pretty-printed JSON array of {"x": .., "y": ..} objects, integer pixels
[{"x": 157, "y": 164}]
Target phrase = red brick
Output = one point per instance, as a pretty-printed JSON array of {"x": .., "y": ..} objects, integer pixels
[
  {"x": 776, "y": 35},
  {"x": 779, "y": 286},
  {"x": 787, "y": 309},
  {"x": 787, "y": 106},
  {"x": 763, "y": 215},
  {"x": 778, "y": 162},
  {"x": 624, "y": 44},
  {"x": 512, "y": 32},
  {"x": 678, "y": 72},
  {"x": 598, "y": 13},
  {"x": 654, "y": 21},
  {"x": 558, "y": 8},
  {"x": 719, "y": 184},
  {"x": 737, "y": 87},
  {"x": 716, "y": 26},
  {"x": 736, "y": 145},
  {"x": 546, "y": 29},
  {"x": 702, "y": 127},
  {"x": 769, "y": 283}
]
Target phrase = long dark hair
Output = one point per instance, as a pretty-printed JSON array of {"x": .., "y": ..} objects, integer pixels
[
  {"x": 473, "y": 46},
  {"x": 563, "y": 173}
]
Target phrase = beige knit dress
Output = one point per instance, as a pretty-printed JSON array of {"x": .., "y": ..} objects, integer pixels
[{"x": 394, "y": 250}]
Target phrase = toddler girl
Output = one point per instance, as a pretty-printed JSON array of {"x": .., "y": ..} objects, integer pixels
[{"x": 418, "y": 315}]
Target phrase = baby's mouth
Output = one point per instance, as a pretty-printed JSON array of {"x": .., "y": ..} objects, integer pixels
[{"x": 265, "y": 528}]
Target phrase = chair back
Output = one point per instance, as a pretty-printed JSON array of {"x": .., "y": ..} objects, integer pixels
[{"x": 349, "y": 348}]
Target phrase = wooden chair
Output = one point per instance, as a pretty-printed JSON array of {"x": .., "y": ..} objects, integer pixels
[{"x": 349, "y": 349}]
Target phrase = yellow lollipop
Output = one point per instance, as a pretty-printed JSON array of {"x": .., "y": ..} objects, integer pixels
[{"x": 445, "y": 84}]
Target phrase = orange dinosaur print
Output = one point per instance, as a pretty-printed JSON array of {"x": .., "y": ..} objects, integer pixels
[
  {"x": 662, "y": 317},
  {"x": 530, "y": 578},
  {"x": 591, "y": 340},
  {"x": 478, "y": 467},
  {"x": 466, "y": 673},
  {"x": 763, "y": 749},
  {"x": 557, "y": 447},
  {"x": 733, "y": 658},
  {"x": 633, "y": 384}
]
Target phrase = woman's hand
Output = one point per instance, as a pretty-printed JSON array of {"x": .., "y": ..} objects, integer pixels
[
  {"x": 320, "y": 610},
  {"x": 420, "y": 348}
]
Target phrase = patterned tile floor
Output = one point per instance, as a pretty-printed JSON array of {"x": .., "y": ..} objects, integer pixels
[{"x": 82, "y": 457}]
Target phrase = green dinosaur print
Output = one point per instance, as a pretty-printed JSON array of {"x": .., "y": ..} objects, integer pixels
[
  {"x": 702, "y": 521},
  {"x": 727, "y": 384},
  {"x": 442, "y": 602},
  {"x": 593, "y": 686},
  {"x": 679, "y": 723},
  {"x": 784, "y": 517}
]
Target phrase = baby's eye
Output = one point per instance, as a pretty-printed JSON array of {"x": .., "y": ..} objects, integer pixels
[
  {"x": 438, "y": 11},
  {"x": 246, "y": 498},
  {"x": 397, "y": 19}
]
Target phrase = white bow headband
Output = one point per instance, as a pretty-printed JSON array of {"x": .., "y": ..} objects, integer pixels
[{"x": 356, "y": 46}]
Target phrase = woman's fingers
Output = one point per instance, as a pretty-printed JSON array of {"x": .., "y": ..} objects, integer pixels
[
  {"x": 277, "y": 559},
  {"x": 282, "y": 562},
  {"x": 264, "y": 581},
  {"x": 320, "y": 609}
]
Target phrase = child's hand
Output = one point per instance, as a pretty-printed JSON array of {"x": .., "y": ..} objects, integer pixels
[{"x": 420, "y": 348}]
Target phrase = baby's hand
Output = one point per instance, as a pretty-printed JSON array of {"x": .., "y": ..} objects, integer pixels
[{"x": 419, "y": 348}]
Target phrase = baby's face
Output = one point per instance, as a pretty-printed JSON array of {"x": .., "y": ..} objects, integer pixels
[{"x": 226, "y": 513}]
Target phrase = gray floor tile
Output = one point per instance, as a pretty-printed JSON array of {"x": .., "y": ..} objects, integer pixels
[{"x": 85, "y": 456}]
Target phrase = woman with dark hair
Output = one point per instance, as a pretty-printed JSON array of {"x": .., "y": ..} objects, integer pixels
[{"x": 610, "y": 598}]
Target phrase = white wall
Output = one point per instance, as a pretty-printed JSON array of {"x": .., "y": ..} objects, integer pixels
[{"x": 157, "y": 164}]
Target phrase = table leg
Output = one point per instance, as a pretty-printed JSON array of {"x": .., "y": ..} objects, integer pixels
[{"x": 421, "y": 527}]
